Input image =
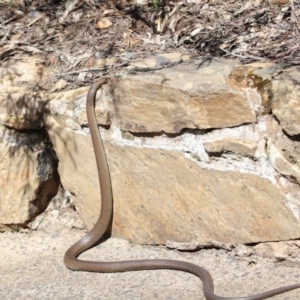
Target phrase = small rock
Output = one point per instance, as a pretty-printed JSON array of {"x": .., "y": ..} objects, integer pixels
[
  {"x": 127, "y": 135},
  {"x": 239, "y": 146},
  {"x": 188, "y": 246},
  {"x": 243, "y": 250}
]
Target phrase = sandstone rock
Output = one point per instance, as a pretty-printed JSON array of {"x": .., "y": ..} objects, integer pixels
[
  {"x": 271, "y": 126},
  {"x": 243, "y": 147},
  {"x": 255, "y": 77},
  {"x": 20, "y": 106},
  {"x": 280, "y": 251},
  {"x": 248, "y": 140},
  {"x": 243, "y": 251},
  {"x": 28, "y": 176},
  {"x": 70, "y": 107},
  {"x": 264, "y": 250},
  {"x": 286, "y": 100},
  {"x": 159, "y": 101},
  {"x": 22, "y": 109},
  {"x": 284, "y": 155},
  {"x": 26, "y": 72},
  {"x": 162, "y": 195},
  {"x": 291, "y": 191}
]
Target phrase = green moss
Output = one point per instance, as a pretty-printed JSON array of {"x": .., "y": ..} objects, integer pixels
[{"x": 264, "y": 88}]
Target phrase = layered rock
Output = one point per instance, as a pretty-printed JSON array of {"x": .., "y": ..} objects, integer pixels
[
  {"x": 28, "y": 164},
  {"x": 199, "y": 152},
  {"x": 243, "y": 147},
  {"x": 285, "y": 104},
  {"x": 191, "y": 96},
  {"x": 162, "y": 195},
  {"x": 29, "y": 178}
]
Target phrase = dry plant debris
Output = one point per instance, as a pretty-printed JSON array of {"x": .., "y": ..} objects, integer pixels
[{"x": 68, "y": 35}]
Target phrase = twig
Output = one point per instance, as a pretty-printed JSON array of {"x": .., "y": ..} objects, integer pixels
[
  {"x": 242, "y": 56},
  {"x": 5, "y": 37},
  {"x": 88, "y": 70},
  {"x": 11, "y": 19},
  {"x": 14, "y": 42},
  {"x": 287, "y": 52},
  {"x": 78, "y": 71}
]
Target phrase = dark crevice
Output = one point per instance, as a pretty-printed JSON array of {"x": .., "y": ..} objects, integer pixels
[
  {"x": 294, "y": 138},
  {"x": 152, "y": 134}
]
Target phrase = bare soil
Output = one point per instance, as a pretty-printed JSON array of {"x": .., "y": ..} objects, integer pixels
[{"x": 31, "y": 267}]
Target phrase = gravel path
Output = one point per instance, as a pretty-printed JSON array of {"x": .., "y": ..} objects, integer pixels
[{"x": 31, "y": 267}]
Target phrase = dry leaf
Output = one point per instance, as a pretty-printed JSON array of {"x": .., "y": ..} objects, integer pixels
[
  {"x": 196, "y": 31},
  {"x": 108, "y": 12},
  {"x": 104, "y": 23},
  {"x": 31, "y": 49}
]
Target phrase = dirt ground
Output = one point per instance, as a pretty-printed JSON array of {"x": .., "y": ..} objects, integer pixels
[{"x": 31, "y": 267}]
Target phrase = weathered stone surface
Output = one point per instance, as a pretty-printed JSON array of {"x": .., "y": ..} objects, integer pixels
[
  {"x": 161, "y": 195},
  {"x": 70, "y": 107},
  {"x": 187, "y": 246},
  {"x": 28, "y": 71},
  {"x": 292, "y": 194},
  {"x": 243, "y": 251},
  {"x": 244, "y": 147},
  {"x": 286, "y": 100},
  {"x": 280, "y": 251},
  {"x": 248, "y": 140},
  {"x": 26, "y": 110},
  {"x": 22, "y": 109},
  {"x": 21, "y": 106},
  {"x": 284, "y": 155},
  {"x": 28, "y": 176},
  {"x": 278, "y": 88},
  {"x": 255, "y": 77},
  {"x": 193, "y": 95}
]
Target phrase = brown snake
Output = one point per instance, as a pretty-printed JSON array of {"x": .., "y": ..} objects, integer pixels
[{"x": 92, "y": 237}]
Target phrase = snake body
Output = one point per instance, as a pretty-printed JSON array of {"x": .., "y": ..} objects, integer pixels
[{"x": 92, "y": 237}]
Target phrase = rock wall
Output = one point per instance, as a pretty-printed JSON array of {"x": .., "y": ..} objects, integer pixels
[
  {"x": 28, "y": 165},
  {"x": 203, "y": 151}
]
